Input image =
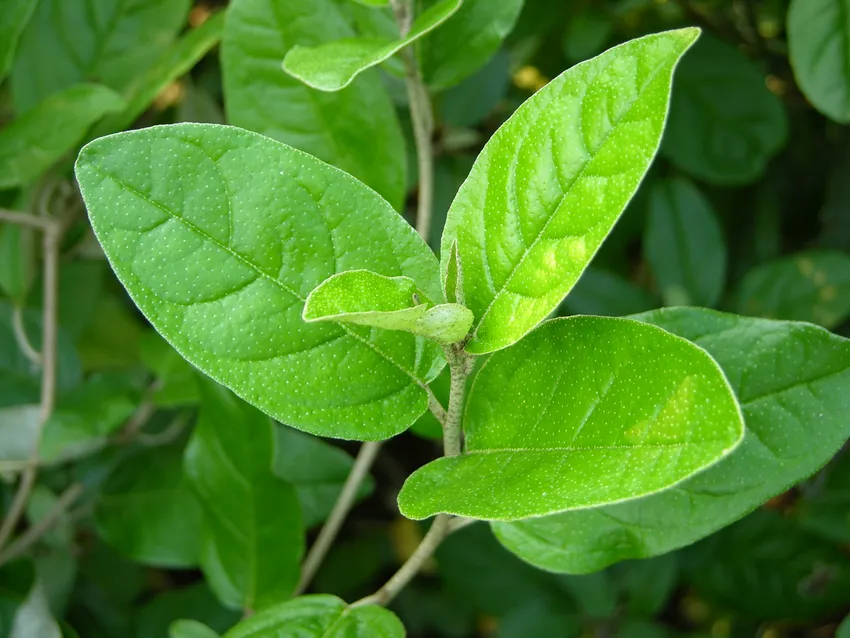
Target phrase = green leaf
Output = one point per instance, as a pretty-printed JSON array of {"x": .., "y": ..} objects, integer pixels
[
  {"x": 319, "y": 616},
  {"x": 818, "y": 45},
  {"x": 176, "y": 381},
  {"x": 334, "y": 65},
  {"x": 824, "y": 506},
  {"x": 316, "y": 469},
  {"x": 471, "y": 101},
  {"x": 356, "y": 129},
  {"x": 844, "y": 629},
  {"x": 587, "y": 33},
  {"x": 67, "y": 43},
  {"x": 724, "y": 122},
  {"x": 393, "y": 303},
  {"x": 84, "y": 419},
  {"x": 223, "y": 272},
  {"x": 175, "y": 62},
  {"x": 17, "y": 261},
  {"x": 33, "y": 617},
  {"x": 190, "y": 629},
  {"x": 552, "y": 181},
  {"x": 810, "y": 286},
  {"x": 13, "y": 19},
  {"x": 684, "y": 245},
  {"x": 19, "y": 430},
  {"x": 147, "y": 511},
  {"x": 583, "y": 412},
  {"x": 30, "y": 144},
  {"x": 254, "y": 537},
  {"x": 180, "y": 607},
  {"x": 464, "y": 44},
  {"x": 602, "y": 293},
  {"x": 791, "y": 380}
]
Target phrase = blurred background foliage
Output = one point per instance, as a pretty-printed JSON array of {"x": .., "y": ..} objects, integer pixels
[{"x": 746, "y": 209}]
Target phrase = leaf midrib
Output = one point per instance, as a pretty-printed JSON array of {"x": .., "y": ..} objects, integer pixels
[
  {"x": 584, "y": 448},
  {"x": 246, "y": 262}
]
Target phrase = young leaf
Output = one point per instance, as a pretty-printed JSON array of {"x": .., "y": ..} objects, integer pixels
[
  {"x": 147, "y": 511},
  {"x": 356, "y": 129},
  {"x": 392, "y": 303},
  {"x": 334, "y": 65},
  {"x": 791, "y": 381},
  {"x": 222, "y": 272},
  {"x": 13, "y": 19},
  {"x": 320, "y": 616},
  {"x": 175, "y": 62},
  {"x": 254, "y": 540},
  {"x": 454, "y": 52},
  {"x": 684, "y": 245},
  {"x": 30, "y": 144},
  {"x": 552, "y": 181},
  {"x": 725, "y": 124},
  {"x": 583, "y": 412},
  {"x": 67, "y": 43},
  {"x": 818, "y": 41},
  {"x": 811, "y": 286},
  {"x": 316, "y": 469}
]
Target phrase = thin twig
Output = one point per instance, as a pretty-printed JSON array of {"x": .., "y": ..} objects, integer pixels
[
  {"x": 25, "y": 219},
  {"x": 344, "y": 503},
  {"x": 406, "y": 573},
  {"x": 33, "y": 355},
  {"x": 169, "y": 434},
  {"x": 436, "y": 408},
  {"x": 459, "y": 522},
  {"x": 51, "y": 239},
  {"x": 44, "y": 525}
]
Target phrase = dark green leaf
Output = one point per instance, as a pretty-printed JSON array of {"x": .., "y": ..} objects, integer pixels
[
  {"x": 13, "y": 19},
  {"x": 602, "y": 293}
]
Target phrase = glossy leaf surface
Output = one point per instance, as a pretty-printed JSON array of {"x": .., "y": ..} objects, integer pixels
[
  {"x": 66, "y": 43},
  {"x": 222, "y": 269},
  {"x": 334, "y": 65},
  {"x": 552, "y": 181},
  {"x": 30, "y": 144},
  {"x": 393, "y": 303},
  {"x": 583, "y": 412},
  {"x": 465, "y": 43},
  {"x": 319, "y": 616},
  {"x": 355, "y": 129},
  {"x": 791, "y": 381},
  {"x": 725, "y": 124},
  {"x": 818, "y": 45},
  {"x": 812, "y": 286},
  {"x": 148, "y": 512},
  {"x": 684, "y": 245},
  {"x": 254, "y": 540}
]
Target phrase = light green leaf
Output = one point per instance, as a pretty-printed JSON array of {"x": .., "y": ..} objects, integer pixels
[
  {"x": 147, "y": 511},
  {"x": 190, "y": 629},
  {"x": 818, "y": 45},
  {"x": 33, "y": 617},
  {"x": 810, "y": 286},
  {"x": 13, "y": 19},
  {"x": 844, "y": 629},
  {"x": 175, "y": 62},
  {"x": 552, "y": 181},
  {"x": 223, "y": 271},
  {"x": 602, "y": 293},
  {"x": 791, "y": 380},
  {"x": 356, "y": 129},
  {"x": 684, "y": 245},
  {"x": 254, "y": 537},
  {"x": 17, "y": 261},
  {"x": 67, "y": 43},
  {"x": 319, "y": 616},
  {"x": 454, "y": 52},
  {"x": 19, "y": 426},
  {"x": 373, "y": 3},
  {"x": 724, "y": 122},
  {"x": 393, "y": 303},
  {"x": 583, "y": 412},
  {"x": 316, "y": 469},
  {"x": 84, "y": 418},
  {"x": 30, "y": 144},
  {"x": 334, "y": 65}
]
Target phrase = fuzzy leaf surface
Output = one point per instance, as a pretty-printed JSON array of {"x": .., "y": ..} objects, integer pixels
[
  {"x": 220, "y": 234},
  {"x": 552, "y": 181},
  {"x": 585, "y": 411}
]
